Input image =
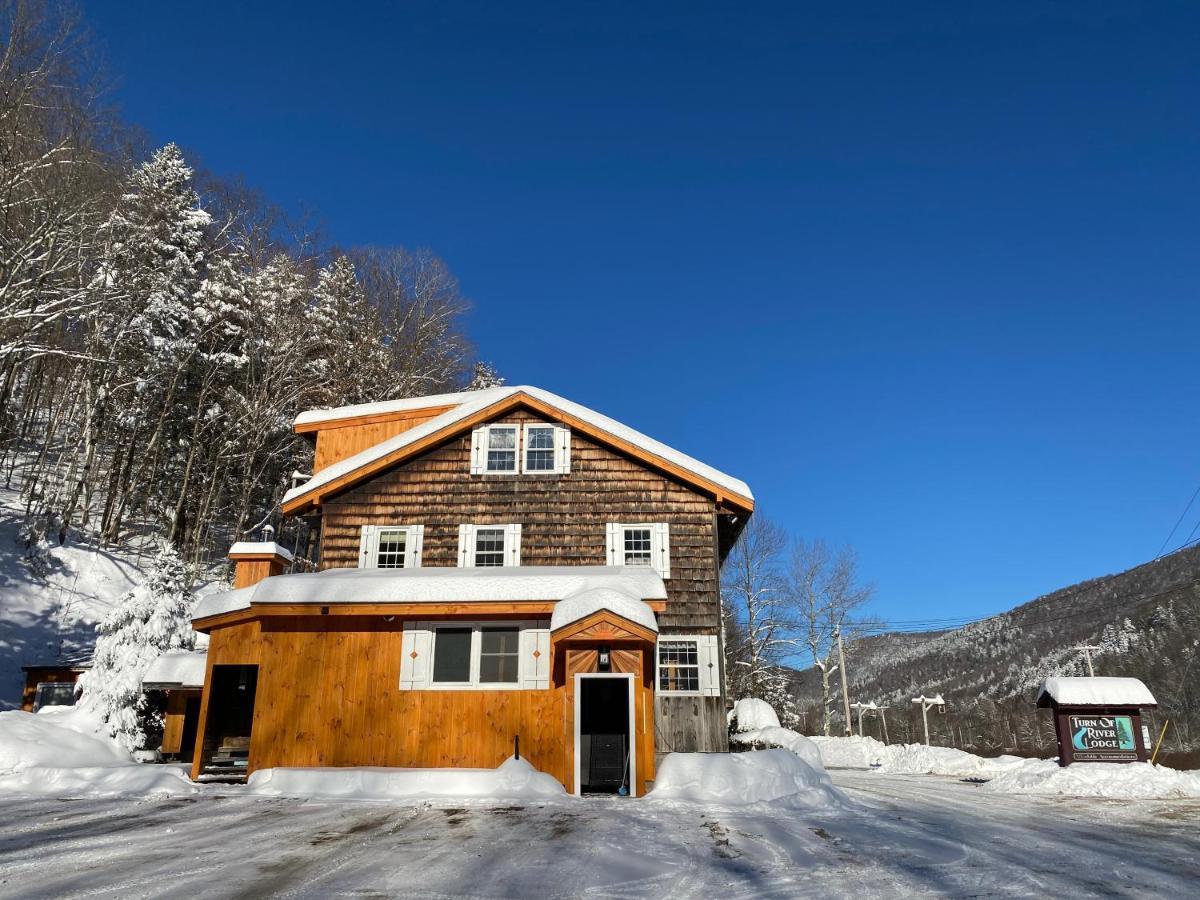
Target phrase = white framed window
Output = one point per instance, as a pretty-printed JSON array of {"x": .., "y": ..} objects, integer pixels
[
  {"x": 640, "y": 544},
  {"x": 546, "y": 450},
  {"x": 536, "y": 448},
  {"x": 390, "y": 546},
  {"x": 494, "y": 450},
  {"x": 492, "y": 655},
  {"x": 688, "y": 664},
  {"x": 484, "y": 546}
]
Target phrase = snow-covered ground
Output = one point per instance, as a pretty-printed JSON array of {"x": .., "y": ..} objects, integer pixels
[
  {"x": 901, "y": 836},
  {"x": 1011, "y": 774}
]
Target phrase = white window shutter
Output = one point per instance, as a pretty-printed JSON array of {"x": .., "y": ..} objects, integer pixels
[
  {"x": 366, "y": 547},
  {"x": 413, "y": 546},
  {"x": 466, "y": 537},
  {"x": 479, "y": 442},
  {"x": 662, "y": 549},
  {"x": 535, "y": 658},
  {"x": 710, "y": 669},
  {"x": 416, "y": 652},
  {"x": 512, "y": 545},
  {"x": 613, "y": 536},
  {"x": 562, "y": 450}
]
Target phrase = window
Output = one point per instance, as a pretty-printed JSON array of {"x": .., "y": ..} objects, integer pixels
[
  {"x": 536, "y": 448},
  {"x": 539, "y": 448},
  {"x": 678, "y": 666},
  {"x": 489, "y": 547},
  {"x": 498, "y": 655},
  {"x": 688, "y": 664},
  {"x": 452, "y": 656},
  {"x": 458, "y": 656},
  {"x": 482, "y": 546},
  {"x": 502, "y": 449},
  {"x": 637, "y": 547},
  {"x": 390, "y": 546},
  {"x": 644, "y": 544}
]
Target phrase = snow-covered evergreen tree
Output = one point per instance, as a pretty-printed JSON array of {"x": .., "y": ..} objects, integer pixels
[
  {"x": 485, "y": 376},
  {"x": 144, "y": 623}
]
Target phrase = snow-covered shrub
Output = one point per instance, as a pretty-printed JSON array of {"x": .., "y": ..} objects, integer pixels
[
  {"x": 750, "y": 714},
  {"x": 143, "y": 624}
]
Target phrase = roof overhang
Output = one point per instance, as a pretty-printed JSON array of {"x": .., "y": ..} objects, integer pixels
[{"x": 728, "y": 493}]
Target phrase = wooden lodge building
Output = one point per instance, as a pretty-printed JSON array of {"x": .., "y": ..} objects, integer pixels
[{"x": 496, "y": 570}]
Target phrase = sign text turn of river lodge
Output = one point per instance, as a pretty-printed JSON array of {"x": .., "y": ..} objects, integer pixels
[{"x": 1102, "y": 738}]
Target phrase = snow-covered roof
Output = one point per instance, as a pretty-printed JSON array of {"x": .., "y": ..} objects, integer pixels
[
  {"x": 263, "y": 547},
  {"x": 177, "y": 668},
  {"x": 438, "y": 585},
  {"x": 319, "y": 416},
  {"x": 472, "y": 402},
  {"x": 616, "y": 600},
  {"x": 1098, "y": 691}
]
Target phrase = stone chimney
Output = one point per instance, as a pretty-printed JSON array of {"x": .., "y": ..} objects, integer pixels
[{"x": 256, "y": 560}]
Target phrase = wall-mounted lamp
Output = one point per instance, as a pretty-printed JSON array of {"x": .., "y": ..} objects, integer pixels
[{"x": 605, "y": 661}]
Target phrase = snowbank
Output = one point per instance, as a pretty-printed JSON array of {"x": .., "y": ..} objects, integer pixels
[
  {"x": 514, "y": 779},
  {"x": 1118, "y": 780},
  {"x": 734, "y": 779},
  {"x": 65, "y": 753},
  {"x": 783, "y": 738},
  {"x": 750, "y": 714},
  {"x": 906, "y": 759}
]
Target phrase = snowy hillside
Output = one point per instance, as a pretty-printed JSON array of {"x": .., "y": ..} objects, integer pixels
[
  {"x": 49, "y": 605},
  {"x": 1146, "y": 620}
]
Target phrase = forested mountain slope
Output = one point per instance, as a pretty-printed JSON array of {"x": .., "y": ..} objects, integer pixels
[{"x": 1147, "y": 620}]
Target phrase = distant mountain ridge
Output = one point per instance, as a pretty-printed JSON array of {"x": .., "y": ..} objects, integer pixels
[{"x": 1152, "y": 606}]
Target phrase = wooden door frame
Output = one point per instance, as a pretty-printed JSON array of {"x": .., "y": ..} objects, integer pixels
[{"x": 629, "y": 677}]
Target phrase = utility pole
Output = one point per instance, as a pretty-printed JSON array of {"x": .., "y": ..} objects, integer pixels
[
  {"x": 861, "y": 708},
  {"x": 845, "y": 690},
  {"x": 927, "y": 703},
  {"x": 1087, "y": 650},
  {"x": 883, "y": 718}
]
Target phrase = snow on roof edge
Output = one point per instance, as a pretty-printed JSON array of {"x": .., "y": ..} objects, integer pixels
[
  {"x": 261, "y": 547},
  {"x": 182, "y": 668},
  {"x": 479, "y": 400},
  {"x": 1096, "y": 691},
  {"x": 442, "y": 584},
  {"x": 383, "y": 407}
]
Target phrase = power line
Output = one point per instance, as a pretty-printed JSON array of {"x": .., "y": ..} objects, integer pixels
[{"x": 1195, "y": 494}]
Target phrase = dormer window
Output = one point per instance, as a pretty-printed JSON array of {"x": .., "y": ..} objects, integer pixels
[{"x": 536, "y": 448}]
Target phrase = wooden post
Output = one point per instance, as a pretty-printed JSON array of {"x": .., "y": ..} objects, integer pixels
[{"x": 845, "y": 690}]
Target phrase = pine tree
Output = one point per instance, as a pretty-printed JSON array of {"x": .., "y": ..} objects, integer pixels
[
  {"x": 143, "y": 624},
  {"x": 485, "y": 376}
]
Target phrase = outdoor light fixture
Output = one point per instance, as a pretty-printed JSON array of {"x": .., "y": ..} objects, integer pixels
[{"x": 604, "y": 659}]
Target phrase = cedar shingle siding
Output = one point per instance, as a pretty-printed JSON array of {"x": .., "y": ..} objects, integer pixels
[{"x": 562, "y": 517}]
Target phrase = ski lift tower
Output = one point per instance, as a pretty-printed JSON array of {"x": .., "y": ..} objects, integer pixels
[{"x": 928, "y": 703}]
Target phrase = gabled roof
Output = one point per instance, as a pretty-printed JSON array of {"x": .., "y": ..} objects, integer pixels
[
  {"x": 1094, "y": 691},
  {"x": 476, "y": 407}
]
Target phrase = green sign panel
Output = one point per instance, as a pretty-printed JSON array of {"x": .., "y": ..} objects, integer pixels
[{"x": 1102, "y": 738}]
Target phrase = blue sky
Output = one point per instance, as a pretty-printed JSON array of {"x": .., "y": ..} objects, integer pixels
[{"x": 923, "y": 274}]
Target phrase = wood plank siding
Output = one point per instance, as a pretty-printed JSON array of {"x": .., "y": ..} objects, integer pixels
[
  {"x": 328, "y": 695},
  {"x": 345, "y": 438},
  {"x": 562, "y": 517}
]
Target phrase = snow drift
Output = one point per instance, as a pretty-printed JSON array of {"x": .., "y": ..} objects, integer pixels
[
  {"x": 749, "y": 714},
  {"x": 67, "y": 753},
  {"x": 1011, "y": 774},
  {"x": 756, "y": 726},
  {"x": 514, "y": 779},
  {"x": 735, "y": 779}
]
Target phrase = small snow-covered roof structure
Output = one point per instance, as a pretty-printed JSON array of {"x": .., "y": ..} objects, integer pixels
[
  {"x": 470, "y": 408},
  {"x": 176, "y": 669},
  {"x": 1095, "y": 691},
  {"x": 260, "y": 548},
  {"x": 575, "y": 607},
  {"x": 441, "y": 585}
]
